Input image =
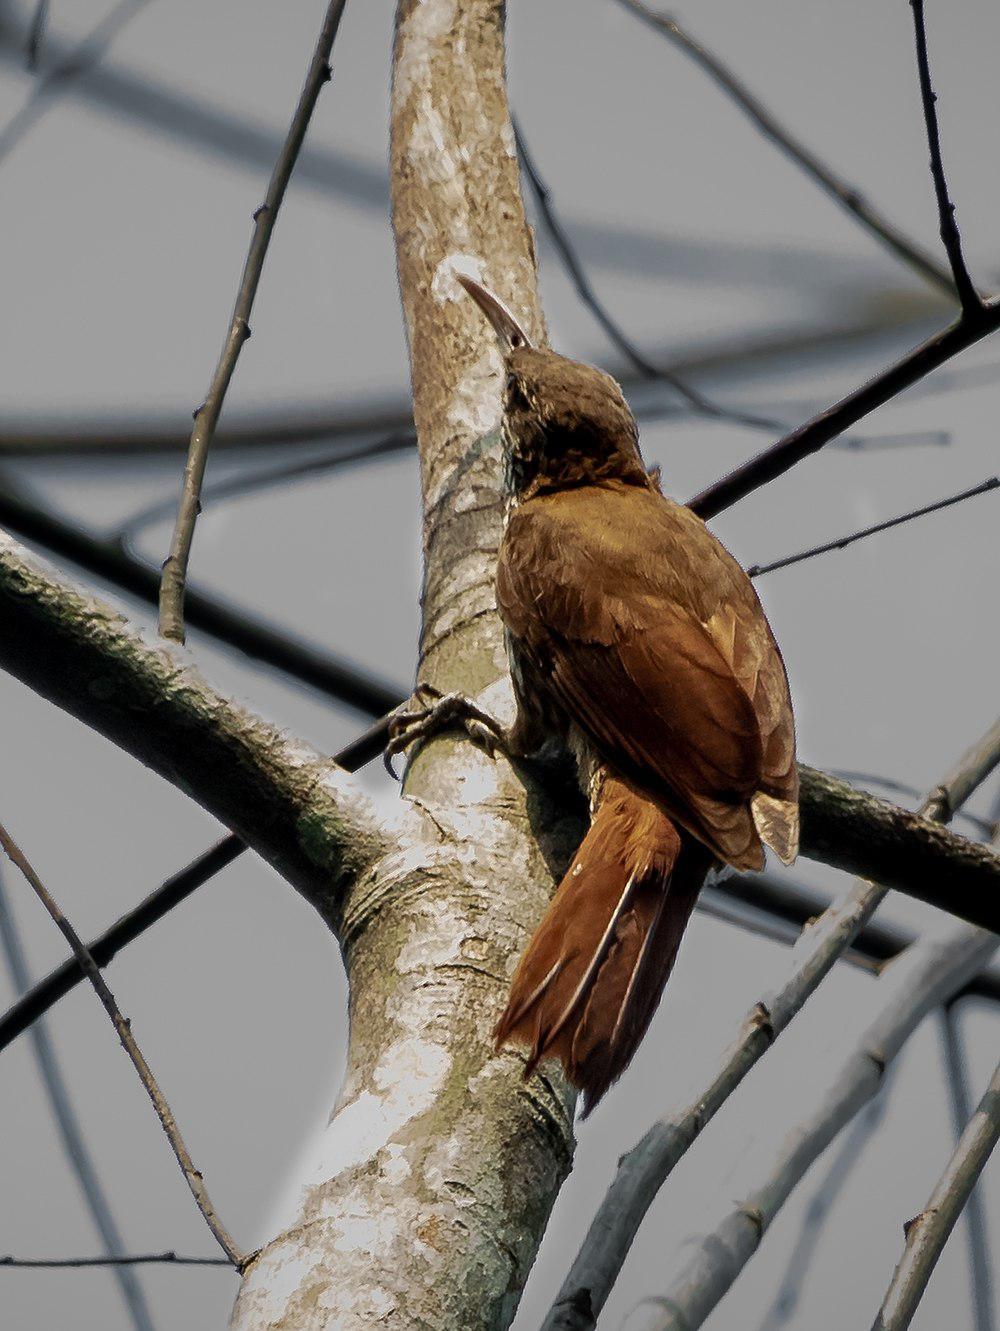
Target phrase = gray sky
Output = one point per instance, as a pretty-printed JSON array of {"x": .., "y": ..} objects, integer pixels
[{"x": 123, "y": 246}]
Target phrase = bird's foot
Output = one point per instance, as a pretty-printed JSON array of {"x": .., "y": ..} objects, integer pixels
[{"x": 430, "y": 712}]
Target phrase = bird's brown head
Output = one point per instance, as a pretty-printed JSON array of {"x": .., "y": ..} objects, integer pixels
[{"x": 565, "y": 423}]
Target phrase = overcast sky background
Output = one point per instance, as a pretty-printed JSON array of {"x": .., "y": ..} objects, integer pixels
[{"x": 123, "y": 240}]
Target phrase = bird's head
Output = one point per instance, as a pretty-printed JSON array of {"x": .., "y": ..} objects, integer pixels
[{"x": 564, "y": 423}]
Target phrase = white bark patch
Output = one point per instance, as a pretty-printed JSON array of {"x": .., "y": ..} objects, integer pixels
[
  {"x": 426, "y": 24},
  {"x": 475, "y": 406},
  {"x": 445, "y": 287},
  {"x": 406, "y": 1079}
]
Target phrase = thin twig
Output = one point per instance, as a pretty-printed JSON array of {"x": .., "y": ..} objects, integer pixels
[
  {"x": 123, "y": 1027},
  {"x": 811, "y": 436},
  {"x": 176, "y": 889},
  {"x": 35, "y": 33},
  {"x": 69, "y": 1126},
  {"x": 847, "y": 195},
  {"x": 578, "y": 276},
  {"x": 928, "y": 1232},
  {"x": 137, "y": 1259},
  {"x": 643, "y": 1170},
  {"x": 926, "y": 976},
  {"x": 207, "y": 415},
  {"x": 755, "y": 570},
  {"x": 957, "y": 1075},
  {"x": 968, "y": 296}
]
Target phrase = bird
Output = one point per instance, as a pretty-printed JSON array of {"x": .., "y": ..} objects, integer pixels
[{"x": 637, "y": 643}]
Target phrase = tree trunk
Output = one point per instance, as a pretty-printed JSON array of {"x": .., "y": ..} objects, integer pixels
[{"x": 439, "y": 1166}]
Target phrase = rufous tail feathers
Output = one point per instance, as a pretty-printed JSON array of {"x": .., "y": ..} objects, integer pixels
[{"x": 587, "y": 986}]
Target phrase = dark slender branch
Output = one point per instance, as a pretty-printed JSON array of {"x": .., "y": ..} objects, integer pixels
[
  {"x": 80, "y": 60},
  {"x": 192, "y": 1176},
  {"x": 68, "y": 1125},
  {"x": 207, "y": 415},
  {"x": 106, "y": 558},
  {"x": 755, "y": 570},
  {"x": 969, "y": 298},
  {"x": 137, "y": 1259},
  {"x": 35, "y": 33},
  {"x": 248, "y": 482},
  {"x": 847, "y": 195},
  {"x": 587, "y": 294},
  {"x": 176, "y": 889},
  {"x": 811, "y": 436},
  {"x": 956, "y": 1074}
]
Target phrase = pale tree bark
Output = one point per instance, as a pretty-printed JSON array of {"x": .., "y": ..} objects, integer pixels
[{"x": 434, "y": 1180}]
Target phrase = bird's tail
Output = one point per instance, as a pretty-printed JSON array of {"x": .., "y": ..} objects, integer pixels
[{"x": 589, "y": 981}]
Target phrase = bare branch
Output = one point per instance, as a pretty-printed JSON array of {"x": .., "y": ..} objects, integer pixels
[
  {"x": 69, "y": 1127},
  {"x": 842, "y": 542},
  {"x": 957, "y": 1077},
  {"x": 847, "y": 195},
  {"x": 207, "y": 415},
  {"x": 106, "y": 558},
  {"x": 811, "y": 436},
  {"x": 926, "y": 976},
  {"x": 305, "y": 815},
  {"x": 643, "y": 1170},
  {"x": 928, "y": 1232},
  {"x": 175, "y": 890},
  {"x": 192, "y": 1176},
  {"x": 137, "y": 1259},
  {"x": 969, "y": 298}
]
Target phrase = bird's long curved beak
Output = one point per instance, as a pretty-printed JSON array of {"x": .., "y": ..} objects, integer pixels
[{"x": 506, "y": 327}]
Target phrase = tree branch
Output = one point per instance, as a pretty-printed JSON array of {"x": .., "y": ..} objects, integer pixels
[
  {"x": 968, "y": 297},
  {"x": 207, "y": 415},
  {"x": 126, "y": 1259},
  {"x": 926, "y": 976},
  {"x": 928, "y": 1232},
  {"x": 957, "y": 1075},
  {"x": 296, "y": 808},
  {"x": 192, "y": 1176},
  {"x": 643, "y": 1171},
  {"x": 811, "y": 436},
  {"x": 847, "y": 195}
]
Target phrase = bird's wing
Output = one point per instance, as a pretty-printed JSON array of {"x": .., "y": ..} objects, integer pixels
[{"x": 652, "y": 638}]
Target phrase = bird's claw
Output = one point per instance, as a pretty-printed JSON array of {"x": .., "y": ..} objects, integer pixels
[{"x": 430, "y": 712}]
